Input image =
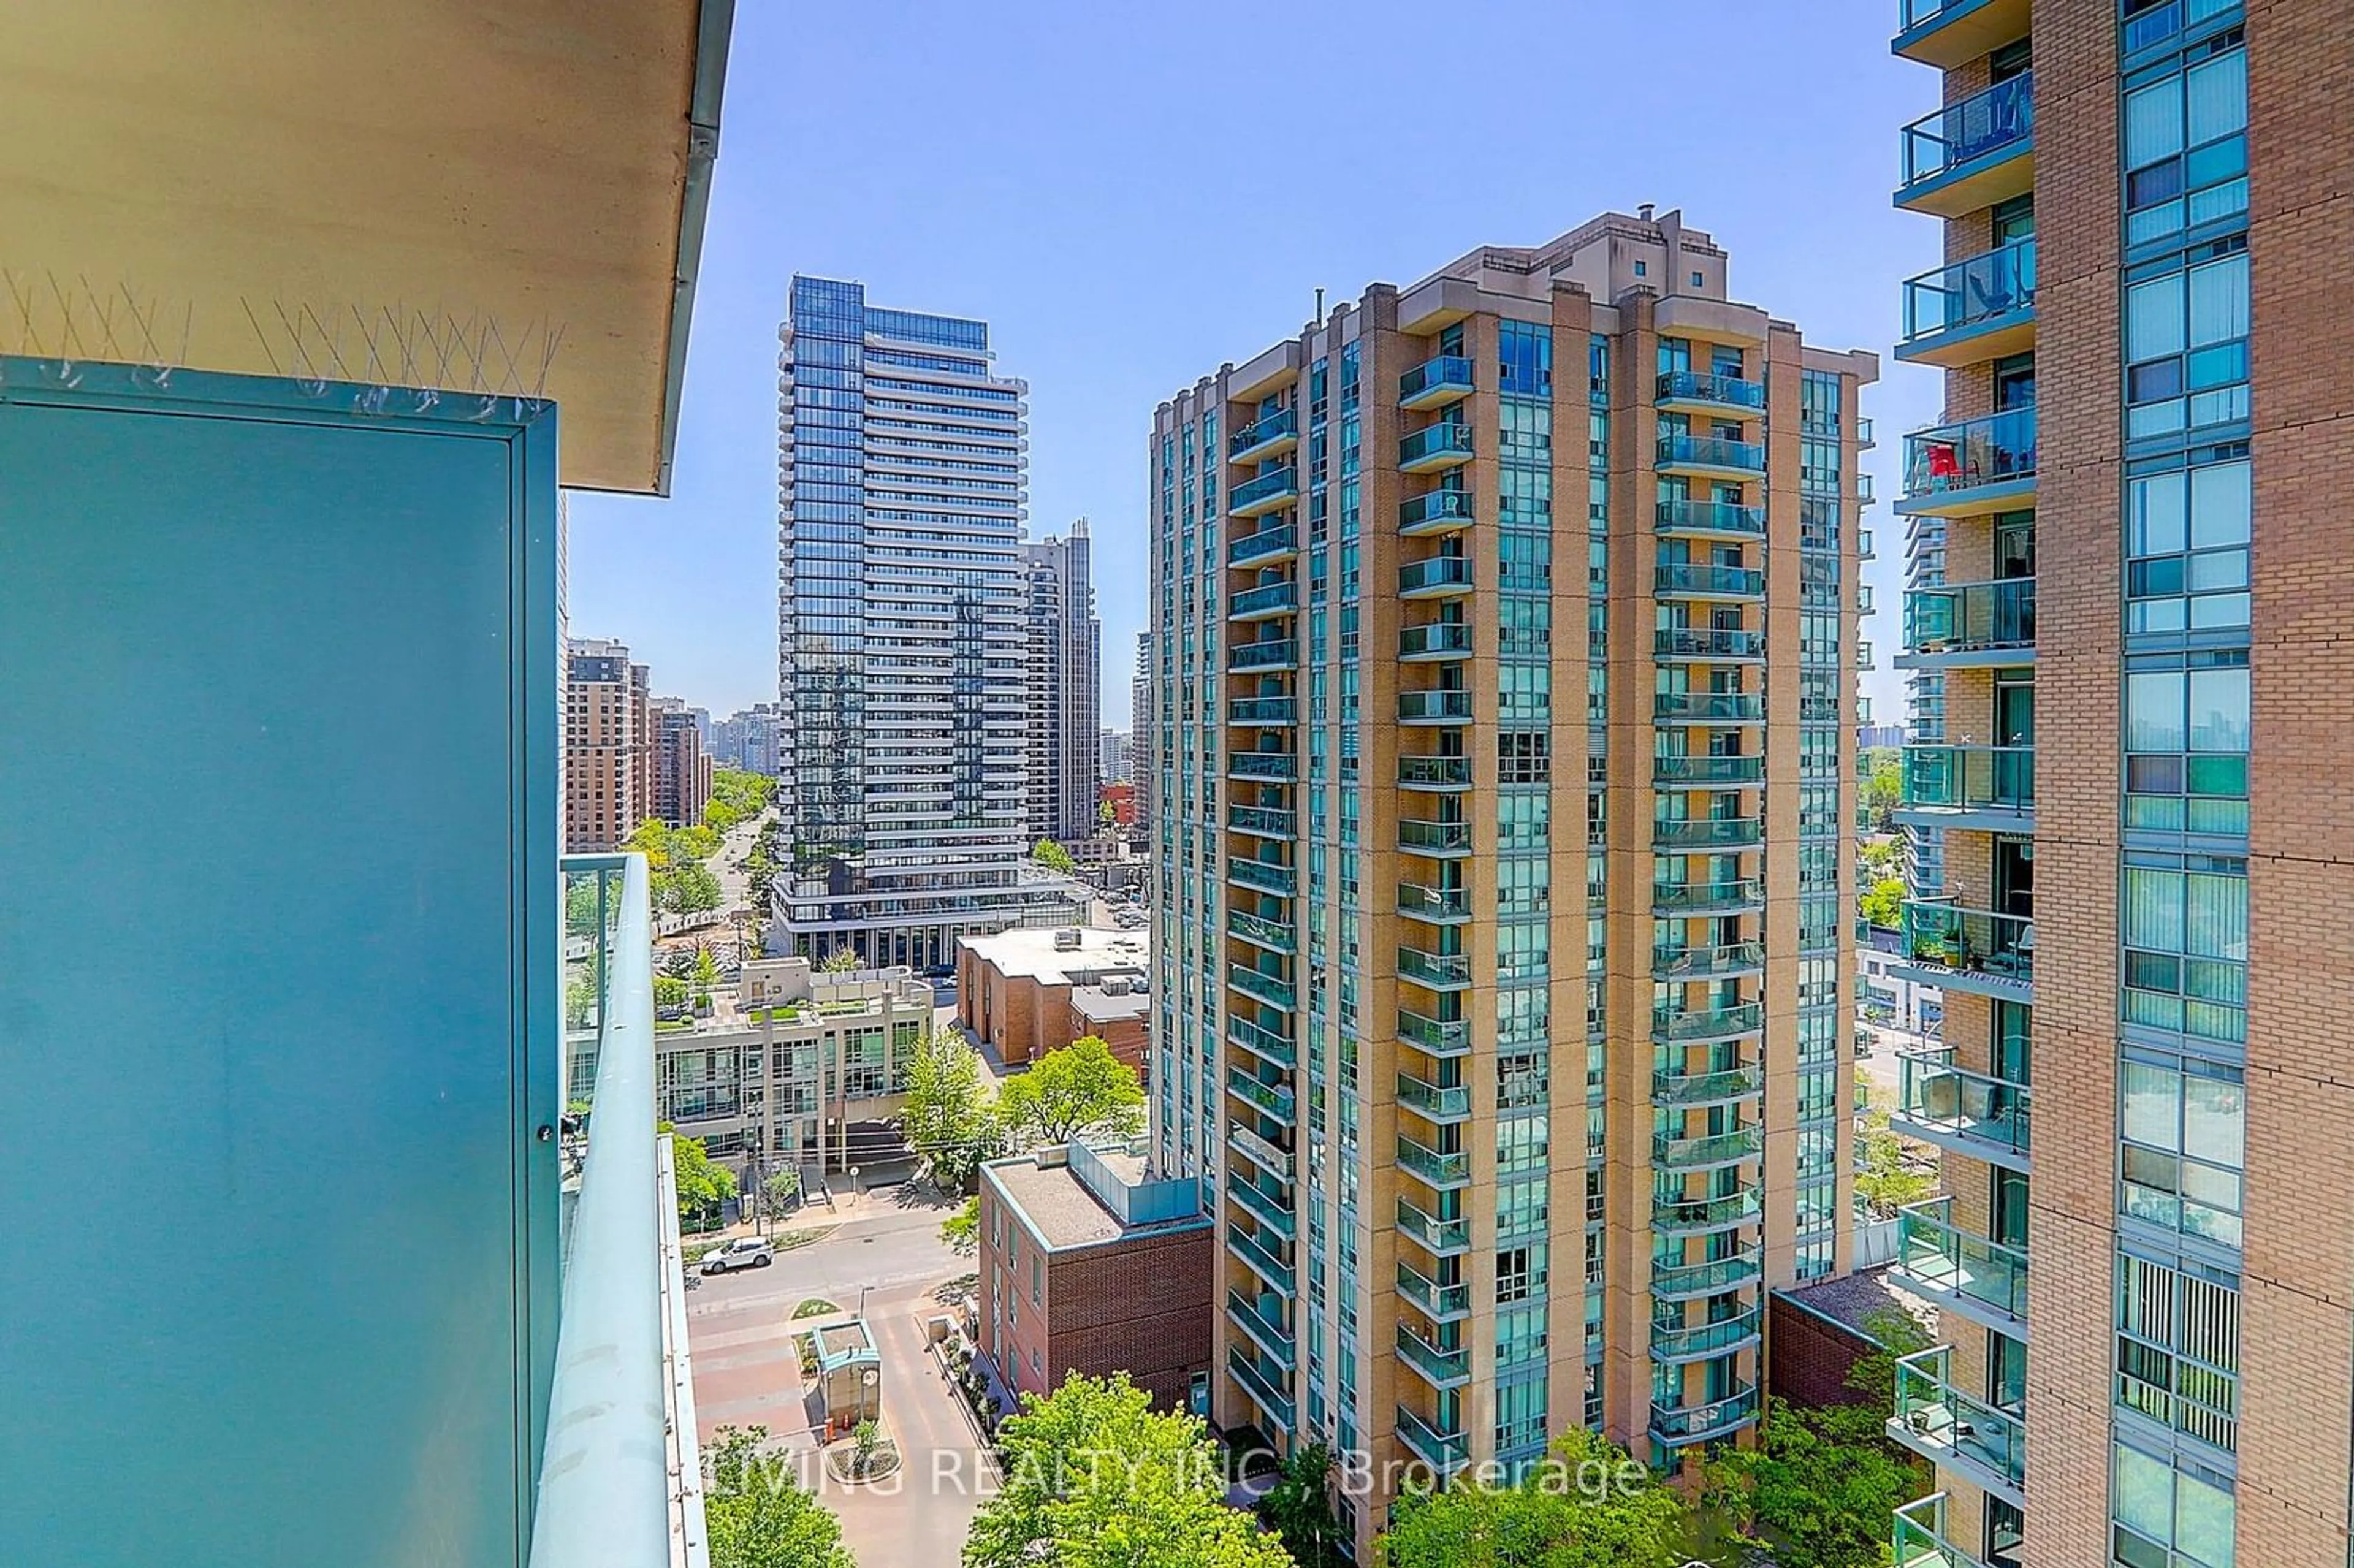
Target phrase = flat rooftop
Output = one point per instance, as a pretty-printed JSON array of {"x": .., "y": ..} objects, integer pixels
[
  {"x": 1030, "y": 951},
  {"x": 1098, "y": 1005},
  {"x": 1853, "y": 1298},
  {"x": 1060, "y": 1207}
]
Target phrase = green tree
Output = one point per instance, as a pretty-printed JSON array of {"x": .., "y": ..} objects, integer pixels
[
  {"x": 946, "y": 1118},
  {"x": 1298, "y": 1509},
  {"x": 961, "y": 1230},
  {"x": 1883, "y": 902},
  {"x": 756, "y": 1515},
  {"x": 703, "y": 1187},
  {"x": 669, "y": 991},
  {"x": 1818, "y": 1487},
  {"x": 1054, "y": 857},
  {"x": 1107, "y": 815},
  {"x": 579, "y": 1002},
  {"x": 692, "y": 887},
  {"x": 1586, "y": 1505},
  {"x": 1883, "y": 788},
  {"x": 1095, "y": 1477},
  {"x": 705, "y": 973},
  {"x": 780, "y": 1189},
  {"x": 1884, "y": 1178},
  {"x": 1078, "y": 1091},
  {"x": 841, "y": 961}
]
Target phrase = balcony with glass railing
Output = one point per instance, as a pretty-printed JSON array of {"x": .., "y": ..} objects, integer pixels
[
  {"x": 1709, "y": 456},
  {"x": 1708, "y": 1087},
  {"x": 1709, "y": 392},
  {"x": 1679, "y": 835},
  {"x": 1434, "y": 708},
  {"x": 1440, "y": 1303},
  {"x": 1266, "y": 876},
  {"x": 1706, "y": 1216},
  {"x": 1923, "y": 1538},
  {"x": 1436, "y": 447},
  {"x": 1262, "y": 1041},
  {"x": 1973, "y": 1114},
  {"x": 1673, "y": 1024},
  {"x": 1708, "y": 707},
  {"x": 1434, "y": 970},
  {"x": 1681, "y": 1425},
  {"x": 1720, "y": 961},
  {"x": 1437, "y": 839},
  {"x": 1276, "y": 487},
  {"x": 1958, "y": 1431},
  {"x": 1440, "y": 1238},
  {"x": 1267, "y": 1333},
  {"x": 1268, "y": 545},
  {"x": 1709, "y": 520},
  {"x": 1700, "y": 580},
  {"x": 1433, "y": 1036},
  {"x": 1267, "y": 654},
  {"x": 1740, "y": 896},
  {"x": 1272, "y": 990},
  {"x": 1265, "y": 601},
  {"x": 1954, "y": 625},
  {"x": 1273, "y": 764},
  {"x": 1709, "y": 1276},
  {"x": 1438, "y": 577},
  {"x": 1974, "y": 950},
  {"x": 1439, "y": 1367},
  {"x": 1262, "y": 1387},
  {"x": 1434, "y": 905},
  {"x": 1272, "y": 436},
  {"x": 1444, "y": 1452},
  {"x": 1674, "y": 1343},
  {"x": 1436, "y": 382},
  {"x": 1263, "y": 710},
  {"x": 1277, "y": 935},
  {"x": 1707, "y": 1152},
  {"x": 1435, "y": 511},
  {"x": 1970, "y": 312},
  {"x": 1434, "y": 639},
  {"x": 1674, "y": 769},
  {"x": 1263, "y": 1257},
  {"x": 1972, "y": 153},
  {"x": 1983, "y": 1280},
  {"x": 1438, "y": 1170},
  {"x": 1990, "y": 788},
  {"x": 1264, "y": 1152},
  {"x": 1987, "y": 464},
  {"x": 1439, "y": 1104},
  {"x": 1707, "y": 645},
  {"x": 1949, "y": 33},
  {"x": 1446, "y": 774}
]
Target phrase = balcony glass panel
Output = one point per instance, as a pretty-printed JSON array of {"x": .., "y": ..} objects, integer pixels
[
  {"x": 1711, "y": 451},
  {"x": 1272, "y": 990},
  {"x": 1443, "y": 1451},
  {"x": 1264, "y": 598},
  {"x": 1681, "y": 963},
  {"x": 1443, "y": 1368},
  {"x": 1970, "y": 778},
  {"x": 1437, "y": 1301},
  {"x": 1274, "y": 428},
  {"x": 1437, "y": 572},
  {"x": 1707, "y": 708},
  {"x": 1433, "y": 1036},
  {"x": 1264, "y": 653},
  {"x": 1932, "y": 1410},
  {"x": 1995, "y": 450},
  {"x": 1261, "y": 710},
  {"x": 1708, "y": 1148},
  {"x": 1433, "y": 1102},
  {"x": 1437, "y": 507},
  {"x": 1698, "y": 1423},
  {"x": 1708, "y": 1277},
  {"x": 1710, "y": 582},
  {"x": 1259, "y": 928},
  {"x": 1278, "y": 540},
  {"x": 1265, "y": 1042},
  {"x": 1673, "y": 1342},
  {"x": 1442, "y": 637},
  {"x": 1451, "y": 705},
  {"x": 1970, "y": 617},
  {"x": 1707, "y": 833},
  {"x": 1445, "y": 971},
  {"x": 1435, "y": 838},
  {"x": 1261, "y": 1387},
  {"x": 1676, "y": 1215},
  {"x": 1262, "y": 765},
  {"x": 1266, "y": 1206},
  {"x": 1938, "y": 935},
  {"x": 1700, "y": 387},
  {"x": 1446, "y": 373},
  {"x": 1982, "y": 289},
  {"x": 1435, "y": 443},
  {"x": 1670, "y": 1023},
  {"x": 1710, "y": 517},
  {"x": 1701, "y": 644},
  {"x": 1435, "y": 772},
  {"x": 1922, "y": 1541},
  {"x": 1675, "y": 769},
  {"x": 1708, "y": 897},
  {"x": 1436, "y": 1169},
  {"x": 2003, "y": 116},
  {"x": 1261, "y": 820},
  {"x": 1434, "y": 1236},
  {"x": 1938, "y": 1254},
  {"x": 1271, "y": 485},
  {"x": 1269, "y": 1332},
  {"x": 1933, "y": 1092},
  {"x": 1702, "y": 1088},
  {"x": 1436, "y": 904},
  {"x": 1265, "y": 876},
  {"x": 1261, "y": 1256}
]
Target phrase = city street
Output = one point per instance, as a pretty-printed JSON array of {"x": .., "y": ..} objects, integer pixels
[{"x": 892, "y": 1260}]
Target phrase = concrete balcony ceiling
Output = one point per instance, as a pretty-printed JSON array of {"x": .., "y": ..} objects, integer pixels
[{"x": 392, "y": 178}]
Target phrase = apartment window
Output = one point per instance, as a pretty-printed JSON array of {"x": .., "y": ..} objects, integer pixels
[
  {"x": 2184, "y": 1127},
  {"x": 2186, "y": 546},
  {"x": 1520, "y": 1144},
  {"x": 2186, "y": 347},
  {"x": 1521, "y": 1272},
  {"x": 2179, "y": 1348},
  {"x": 1521, "y": 1208},
  {"x": 1641, "y": 269},
  {"x": 2184, "y": 925},
  {"x": 1525, "y": 349},
  {"x": 1037, "y": 1279},
  {"x": 1699, "y": 279},
  {"x": 1521, "y": 1336},
  {"x": 2187, "y": 742},
  {"x": 2169, "y": 1516},
  {"x": 2185, "y": 152}
]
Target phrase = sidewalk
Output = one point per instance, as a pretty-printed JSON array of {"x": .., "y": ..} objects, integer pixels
[{"x": 848, "y": 1205}]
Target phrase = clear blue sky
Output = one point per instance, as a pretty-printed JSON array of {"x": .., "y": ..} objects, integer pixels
[{"x": 1121, "y": 192}]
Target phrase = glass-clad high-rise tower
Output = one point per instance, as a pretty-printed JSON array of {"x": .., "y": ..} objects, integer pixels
[
  {"x": 1503, "y": 715},
  {"x": 901, "y": 476}
]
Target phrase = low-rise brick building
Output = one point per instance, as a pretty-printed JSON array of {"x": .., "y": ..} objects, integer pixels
[
  {"x": 1035, "y": 989},
  {"x": 1089, "y": 1264}
]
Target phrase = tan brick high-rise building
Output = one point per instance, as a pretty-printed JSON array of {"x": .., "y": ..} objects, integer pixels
[
  {"x": 609, "y": 761},
  {"x": 682, "y": 768},
  {"x": 1503, "y": 716},
  {"x": 2149, "y": 1285}
]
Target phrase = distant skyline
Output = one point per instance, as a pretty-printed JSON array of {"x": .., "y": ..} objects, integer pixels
[{"x": 1072, "y": 178}]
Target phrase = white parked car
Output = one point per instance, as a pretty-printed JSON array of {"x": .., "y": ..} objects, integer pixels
[{"x": 744, "y": 1252}]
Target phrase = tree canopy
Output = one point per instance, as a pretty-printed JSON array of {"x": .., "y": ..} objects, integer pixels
[
  {"x": 703, "y": 1187},
  {"x": 961, "y": 1230},
  {"x": 1883, "y": 902},
  {"x": 1054, "y": 857},
  {"x": 1586, "y": 1505},
  {"x": 737, "y": 795},
  {"x": 1078, "y": 1091},
  {"x": 1095, "y": 1477},
  {"x": 756, "y": 1515},
  {"x": 1883, "y": 788},
  {"x": 946, "y": 1118}
]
